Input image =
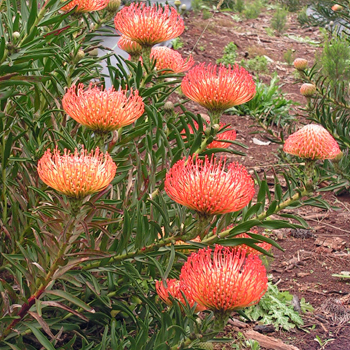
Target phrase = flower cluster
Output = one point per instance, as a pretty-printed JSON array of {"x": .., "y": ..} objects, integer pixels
[
  {"x": 102, "y": 110},
  {"x": 222, "y": 280},
  {"x": 205, "y": 186},
  {"x": 218, "y": 88},
  {"x": 170, "y": 60},
  {"x": 149, "y": 25},
  {"x": 76, "y": 175},
  {"x": 312, "y": 142}
]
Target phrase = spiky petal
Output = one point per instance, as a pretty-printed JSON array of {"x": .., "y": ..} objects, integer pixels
[
  {"x": 102, "y": 110},
  {"x": 77, "y": 174},
  {"x": 129, "y": 46},
  {"x": 218, "y": 88},
  {"x": 170, "y": 60},
  {"x": 205, "y": 186},
  {"x": 173, "y": 289},
  {"x": 226, "y": 280},
  {"x": 149, "y": 25},
  {"x": 312, "y": 142},
  {"x": 82, "y": 6}
]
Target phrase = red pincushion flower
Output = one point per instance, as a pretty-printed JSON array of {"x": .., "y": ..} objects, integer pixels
[
  {"x": 218, "y": 88},
  {"x": 227, "y": 134},
  {"x": 229, "y": 279},
  {"x": 174, "y": 290},
  {"x": 82, "y": 6},
  {"x": 171, "y": 60},
  {"x": 102, "y": 110},
  {"x": 76, "y": 175},
  {"x": 205, "y": 186},
  {"x": 312, "y": 142},
  {"x": 129, "y": 46},
  {"x": 149, "y": 25}
]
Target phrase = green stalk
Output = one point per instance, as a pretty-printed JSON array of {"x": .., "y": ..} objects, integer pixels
[{"x": 146, "y": 56}]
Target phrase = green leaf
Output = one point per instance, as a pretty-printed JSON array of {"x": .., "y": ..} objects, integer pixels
[{"x": 41, "y": 338}]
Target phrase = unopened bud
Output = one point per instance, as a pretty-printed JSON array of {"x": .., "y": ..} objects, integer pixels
[
  {"x": 16, "y": 35},
  {"x": 177, "y": 3},
  {"x": 93, "y": 52},
  {"x": 300, "y": 64},
  {"x": 168, "y": 107},
  {"x": 331, "y": 23},
  {"x": 337, "y": 7},
  {"x": 206, "y": 346},
  {"x": 183, "y": 7},
  {"x": 80, "y": 55},
  {"x": 307, "y": 90},
  {"x": 216, "y": 127},
  {"x": 113, "y": 5}
]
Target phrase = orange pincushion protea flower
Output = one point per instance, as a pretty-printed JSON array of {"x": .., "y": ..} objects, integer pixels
[
  {"x": 76, "y": 175},
  {"x": 102, "y": 110},
  {"x": 129, "y": 46},
  {"x": 312, "y": 142},
  {"x": 82, "y": 6},
  {"x": 218, "y": 88},
  {"x": 205, "y": 186},
  {"x": 171, "y": 60},
  {"x": 174, "y": 291},
  {"x": 229, "y": 280},
  {"x": 227, "y": 134},
  {"x": 149, "y": 25}
]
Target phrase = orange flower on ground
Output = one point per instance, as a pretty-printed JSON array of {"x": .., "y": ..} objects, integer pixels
[
  {"x": 173, "y": 289},
  {"x": 149, "y": 25},
  {"x": 224, "y": 281},
  {"x": 227, "y": 134},
  {"x": 218, "y": 88},
  {"x": 76, "y": 175},
  {"x": 205, "y": 186},
  {"x": 249, "y": 250},
  {"x": 312, "y": 142},
  {"x": 82, "y": 6},
  {"x": 171, "y": 60},
  {"x": 102, "y": 110},
  {"x": 129, "y": 46}
]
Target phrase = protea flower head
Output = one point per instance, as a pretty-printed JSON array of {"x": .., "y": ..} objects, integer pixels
[
  {"x": 129, "y": 46},
  {"x": 82, "y": 6},
  {"x": 77, "y": 174},
  {"x": 224, "y": 280},
  {"x": 218, "y": 88},
  {"x": 307, "y": 90},
  {"x": 300, "y": 64},
  {"x": 102, "y": 110},
  {"x": 173, "y": 289},
  {"x": 149, "y": 25},
  {"x": 227, "y": 134},
  {"x": 205, "y": 186},
  {"x": 170, "y": 60},
  {"x": 312, "y": 142}
]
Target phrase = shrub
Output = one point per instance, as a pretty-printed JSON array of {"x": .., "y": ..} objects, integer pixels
[
  {"x": 258, "y": 64},
  {"x": 252, "y": 10},
  {"x": 279, "y": 19},
  {"x": 230, "y": 54},
  {"x": 240, "y": 6},
  {"x": 289, "y": 56}
]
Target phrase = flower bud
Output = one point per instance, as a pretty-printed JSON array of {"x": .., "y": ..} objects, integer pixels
[
  {"x": 93, "y": 52},
  {"x": 183, "y": 7},
  {"x": 113, "y": 5},
  {"x": 331, "y": 23},
  {"x": 308, "y": 90},
  {"x": 177, "y": 4},
  {"x": 168, "y": 107},
  {"x": 337, "y": 7},
  {"x": 300, "y": 64},
  {"x": 80, "y": 55},
  {"x": 16, "y": 35}
]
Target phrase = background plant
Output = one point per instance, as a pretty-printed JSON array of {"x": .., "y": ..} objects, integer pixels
[{"x": 279, "y": 20}]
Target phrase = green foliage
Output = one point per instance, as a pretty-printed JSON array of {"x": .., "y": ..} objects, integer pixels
[
  {"x": 206, "y": 14},
  {"x": 177, "y": 43},
  {"x": 335, "y": 60},
  {"x": 230, "y": 54},
  {"x": 289, "y": 56},
  {"x": 279, "y": 20},
  {"x": 240, "y": 6},
  {"x": 258, "y": 64},
  {"x": 303, "y": 17},
  {"x": 252, "y": 9},
  {"x": 291, "y": 5},
  {"x": 275, "y": 308},
  {"x": 269, "y": 105}
]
